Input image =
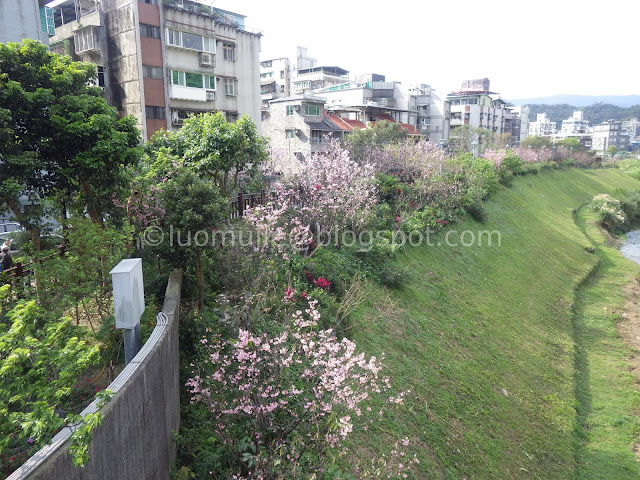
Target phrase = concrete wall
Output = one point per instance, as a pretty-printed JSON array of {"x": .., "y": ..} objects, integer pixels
[
  {"x": 134, "y": 441},
  {"x": 20, "y": 19}
]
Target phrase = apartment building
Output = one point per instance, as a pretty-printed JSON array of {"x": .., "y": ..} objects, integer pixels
[
  {"x": 631, "y": 127},
  {"x": 371, "y": 98},
  {"x": 311, "y": 79},
  {"x": 275, "y": 79},
  {"x": 162, "y": 61},
  {"x": 609, "y": 134},
  {"x": 575, "y": 125},
  {"x": 298, "y": 126},
  {"x": 543, "y": 126},
  {"x": 475, "y": 105},
  {"x": 25, "y": 19}
]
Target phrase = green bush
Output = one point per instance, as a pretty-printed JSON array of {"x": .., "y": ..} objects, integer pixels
[{"x": 512, "y": 162}]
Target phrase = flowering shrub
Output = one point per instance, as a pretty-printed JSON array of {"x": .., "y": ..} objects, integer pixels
[
  {"x": 277, "y": 233},
  {"x": 332, "y": 192},
  {"x": 280, "y": 401},
  {"x": 421, "y": 158},
  {"x": 609, "y": 211}
]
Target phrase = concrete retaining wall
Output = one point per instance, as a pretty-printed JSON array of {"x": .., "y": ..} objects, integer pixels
[{"x": 134, "y": 441}]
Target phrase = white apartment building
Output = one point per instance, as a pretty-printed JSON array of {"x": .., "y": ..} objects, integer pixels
[
  {"x": 543, "y": 126},
  {"x": 631, "y": 127},
  {"x": 475, "y": 105},
  {"x": 163, "y": 60},
  {"x": 275, "y": 80},
  {"x": 575, "y": 125},
  {"x": 311, "y": 79},
  {"x": 371, "y": 98}
]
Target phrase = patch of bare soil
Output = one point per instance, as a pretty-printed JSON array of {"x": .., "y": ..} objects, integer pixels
[{"x": 629, "y": 330}]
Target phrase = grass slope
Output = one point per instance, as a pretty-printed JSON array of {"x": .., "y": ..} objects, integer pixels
[
  {"x": 607, "y": 410},
  {"x": 484, "y": 338}
]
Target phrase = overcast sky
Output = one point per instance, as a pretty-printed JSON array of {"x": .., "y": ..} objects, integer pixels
[{"x": 526, "y": 48}]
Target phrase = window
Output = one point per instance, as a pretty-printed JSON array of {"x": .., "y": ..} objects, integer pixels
[
  {"x": 231, "y": 86},
  {"x": 229, "y": 51},
  {"x": 174, "y": 37},
  {"x": 281, "y": 73},
  {"x": 209, "y": 44},
  {"x": 289, "y": 109},
  {"x": 290, "y": 133},
  {"x": 191, "y": 41},
  {"x": 312, "y": 110},
  {"x": 232, "y": 117},
  {"x": 154, "y": 112},
  {"x": 149, "y": 71},
  {"x": 193, "y": 80},
  {"x": 424, "y": 121},
  {"x": 101, "y": 76},
  {"x": 150, "y": 2},
  {"x": 150, "y": 31}
]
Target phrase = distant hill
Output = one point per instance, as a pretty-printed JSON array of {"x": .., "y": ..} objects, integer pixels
[
  {"x": 598, "y": 113},
  {"x": 624, "y": 101}
]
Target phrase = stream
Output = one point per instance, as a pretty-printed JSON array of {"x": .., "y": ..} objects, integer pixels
[{"x": 631, "y": 247}]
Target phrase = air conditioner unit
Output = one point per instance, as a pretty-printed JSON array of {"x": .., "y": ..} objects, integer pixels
[
  {"x": 298, "y": 132},
  {"x": 296, "y": 108},
  {"x": 211, "y": 95},
  {"x": 207, "y": 59}
]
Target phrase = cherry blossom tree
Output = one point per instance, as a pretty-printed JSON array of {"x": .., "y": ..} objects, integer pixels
[{"x": 281, "y": 401}]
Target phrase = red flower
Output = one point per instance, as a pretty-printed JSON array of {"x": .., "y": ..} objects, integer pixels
[
  {"x": 289, "y": 293},
  {"x": 12, "y": 459},
  {"x": 412, "y": 204},
  {"x": 399, "y": 190},
  {"x": 322, "y": 282},
  {"x": 398, "y": 219},
  {"x": 445, "y": 222},
  {"x": 303, "y": 295},
  {"x": 318, "y": 186}
]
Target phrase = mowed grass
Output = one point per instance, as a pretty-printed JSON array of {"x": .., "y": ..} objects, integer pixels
[
  {"x": 608, "y": 394},
  {"x": 483, "y": 336}
]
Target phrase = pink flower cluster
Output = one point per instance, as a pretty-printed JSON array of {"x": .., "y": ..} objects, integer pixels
[
  {"x": 290, "y": 393},
  {"x": 331, "y": 191}
]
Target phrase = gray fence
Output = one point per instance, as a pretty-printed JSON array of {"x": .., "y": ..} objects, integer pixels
[{"x": 134, "y": 440}]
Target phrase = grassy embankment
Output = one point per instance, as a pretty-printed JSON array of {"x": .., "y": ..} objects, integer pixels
[{"x": 485, "y": 337}]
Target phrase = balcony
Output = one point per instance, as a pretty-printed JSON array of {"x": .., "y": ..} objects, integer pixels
[{"x": 188, "y": 93}]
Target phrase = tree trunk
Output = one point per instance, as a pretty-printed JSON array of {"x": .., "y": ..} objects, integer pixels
[
  {"x": 34, "y": 232},
  {"x": 90, "y": 203},
  {"x": 200, "y": 278}
]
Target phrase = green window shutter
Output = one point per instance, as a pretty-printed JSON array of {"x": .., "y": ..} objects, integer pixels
[{"x": 46, "y": 20}]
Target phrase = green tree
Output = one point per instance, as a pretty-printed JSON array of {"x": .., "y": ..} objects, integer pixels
[
  {"x": 195, "y": 209},
  {"x": 219, "y": 149},
  {"x": 39, "y": 364},
  {"x": 612, "y": 150},
  {"x": 382, "y": 133},
  {"x": 537, "y": 143},
  {"x": 62, "y": 145},
  {"x": 572, "y": 143}
]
